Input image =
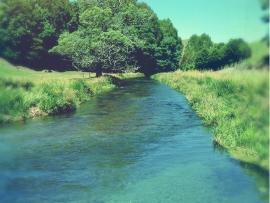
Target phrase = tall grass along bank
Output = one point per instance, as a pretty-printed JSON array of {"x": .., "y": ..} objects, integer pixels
[
  {"x": 234, "y": 103},
  {"x": 25, "y": 93}
]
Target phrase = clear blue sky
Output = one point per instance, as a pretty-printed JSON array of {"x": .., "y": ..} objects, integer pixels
[{"x": 221, "y": 19}]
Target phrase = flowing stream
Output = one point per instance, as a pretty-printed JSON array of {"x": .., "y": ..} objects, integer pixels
[{"x": 141, "y": 143}]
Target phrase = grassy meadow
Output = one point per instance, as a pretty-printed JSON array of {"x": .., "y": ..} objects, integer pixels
[
  {"x": 234, "y": 103},
  {"x": 25, "y": 93}
]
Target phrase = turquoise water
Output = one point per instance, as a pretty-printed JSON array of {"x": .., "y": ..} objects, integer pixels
[{"x": 141, "y": 143}]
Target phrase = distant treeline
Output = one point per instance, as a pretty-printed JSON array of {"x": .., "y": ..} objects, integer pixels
[
  {"x": 201, "y": 53},
  {"x": 104, "y": 36}
]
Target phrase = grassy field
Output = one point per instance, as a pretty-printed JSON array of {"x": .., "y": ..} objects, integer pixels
[
  {"x": 234, "y": 103},
  {"x": 25, "y": 93}
]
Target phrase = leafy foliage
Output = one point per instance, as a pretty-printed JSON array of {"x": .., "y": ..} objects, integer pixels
[
  {"x": 201, "y": 53},
  {"x": 29, "y": 28},
  {"x": 169, "y": 51},
  {"x": 120, "y": 37},
  {"x": 11, "y": 103},
  {"x": 104, "y": 36},
  {"x": 236, "y": 50},
  {"x": 95, "y": 46}
]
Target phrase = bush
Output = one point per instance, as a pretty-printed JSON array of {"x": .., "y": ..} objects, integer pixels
[
  {"x": 12, "y": 104},
  {"x": 82, "y": 91},
  {"x": 54, "y": 99},
  {"x": 236, "y": 50}
]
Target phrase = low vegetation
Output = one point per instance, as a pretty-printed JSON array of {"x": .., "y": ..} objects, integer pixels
[
  {"x": 234, "y": 104},
  {"x": 26, "y": 93}
]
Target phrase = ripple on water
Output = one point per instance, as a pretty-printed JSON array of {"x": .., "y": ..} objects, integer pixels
[{"x": 141, "y": 143}]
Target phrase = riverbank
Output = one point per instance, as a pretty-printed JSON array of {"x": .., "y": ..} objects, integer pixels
[
  {"x": 25, "y": 93},
  {"x": 124, "y": 145},
  {"x": 234, "y": 104}
]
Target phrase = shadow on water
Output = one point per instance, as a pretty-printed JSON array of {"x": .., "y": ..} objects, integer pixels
[
  {"x": 138, "y": 143},
  {"x": 260, "y": 176}
]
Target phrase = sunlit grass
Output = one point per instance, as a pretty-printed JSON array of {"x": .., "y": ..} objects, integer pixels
[{"x": 27, "y": 93}]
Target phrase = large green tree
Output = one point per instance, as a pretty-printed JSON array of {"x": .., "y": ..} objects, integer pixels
[
  {"x": 96, "y": 35},
  {"x": 118, "y": 36},
  {"x": 29, "y": 28},
  {"x": 169, "y": 49},
  {"x": 95, "y": 46},
  {"x": 196, "y": 52},
  {"x": 141, "y": 24}
]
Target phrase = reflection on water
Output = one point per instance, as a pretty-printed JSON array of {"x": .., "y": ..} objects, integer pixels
[
  {"x": 139, "y": 143},
  {"x": 260, "y": 176}
]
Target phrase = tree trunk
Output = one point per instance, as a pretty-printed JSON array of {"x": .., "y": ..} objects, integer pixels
[{"x": 98, "y": 72}]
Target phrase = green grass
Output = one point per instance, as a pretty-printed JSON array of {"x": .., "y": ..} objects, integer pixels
[
  {"x": 25, "y": 93},
  {"x": 234, "y": 104}
]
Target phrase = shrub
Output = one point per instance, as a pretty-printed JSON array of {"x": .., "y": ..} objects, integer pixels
[
  {"x": 236, "y": 50},
  {"x": 54, "y": 101},
  {"x": 12, "y": 104},
  {"x": 14, "y": 84},
  {"x": 82, "y": 91}
]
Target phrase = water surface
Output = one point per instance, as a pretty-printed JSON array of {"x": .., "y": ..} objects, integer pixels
[{"x": 141, "y": 143}]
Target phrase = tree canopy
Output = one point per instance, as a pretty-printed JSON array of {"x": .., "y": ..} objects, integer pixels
[
  {"x": 115, "y": 37},
  {"x": 29, "y": 28},
  {"x": 170, "y": 47},
  {"x": 201, "y": 53},
  {"x": 104, "y": 36}
]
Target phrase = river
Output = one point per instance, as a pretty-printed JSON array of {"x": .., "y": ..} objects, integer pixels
[{"x": 141, "y": 143}]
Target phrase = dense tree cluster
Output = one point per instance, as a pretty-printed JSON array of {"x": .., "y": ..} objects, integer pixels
[
  {"x": 93, "y": 35},
  {"x": 170, "y": 48},
  {"x": 201, "y": 53},
  {"x": 104, "y": 36},
  {"x": 120, "y": 36},
  {"x": 29, "y": 28}
]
